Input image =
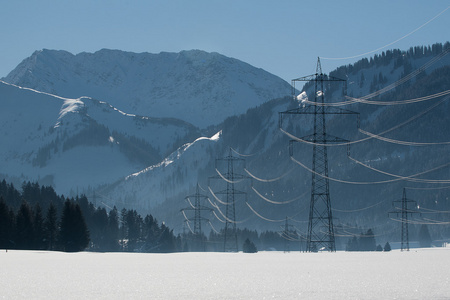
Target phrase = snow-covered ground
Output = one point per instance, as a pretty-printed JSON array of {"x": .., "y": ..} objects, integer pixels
[{"x": 418, "y": 274}]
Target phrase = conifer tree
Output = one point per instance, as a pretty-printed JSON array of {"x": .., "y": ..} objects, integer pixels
[
  {"x": 38, "y": 224},
  {"x": 112, "y": 233},
  {"x": 51, "y": 227},
  {"x": 367, "y": 241},
  {"x": 249, "y": 247},
  {"x": 74, "y": 234},
  {"x": 6, "y": 226},
  {"x": 24, "y": 227},
  {"x": 167, "y": 240}
]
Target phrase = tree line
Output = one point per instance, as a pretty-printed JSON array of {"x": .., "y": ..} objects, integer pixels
[{"x": 38, "y": 219}]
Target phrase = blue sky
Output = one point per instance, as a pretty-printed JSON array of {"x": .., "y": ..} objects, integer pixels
[{"x": 282, "y": 37}]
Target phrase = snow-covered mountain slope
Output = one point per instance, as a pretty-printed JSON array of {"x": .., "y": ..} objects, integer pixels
[
  {"x": 162, "y": 187},
  {"x": 256, "y": 134},
  {"x": 70, "y": 143},
  {"x": 178, "y": 172},
  {"x": 195, "y": 86}
]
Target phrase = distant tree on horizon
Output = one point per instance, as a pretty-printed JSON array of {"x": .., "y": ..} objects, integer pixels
[{"x": 249, "y": 247}]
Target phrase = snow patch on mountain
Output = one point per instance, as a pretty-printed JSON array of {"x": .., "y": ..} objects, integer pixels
[
  {"x": 78, "y": 142},
  {"x": 176, "y": 173}
]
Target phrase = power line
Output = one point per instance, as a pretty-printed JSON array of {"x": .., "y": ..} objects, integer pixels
[
  {"x": 408, "y": 77},
  {"x": 404, "y": 211},
  {"x": 276, "y": 202},
  {"x": 391, "y": 43},
  {"x": 408, "y": 178},
  {"x": 353, "y": 100},
  {"x": 344, "y": 181},
  {"x": 347, "y": 143},
  {"x": 398, "y": 142},
  {"x": 359, "y": 209},
  {"x": 244, "y": 155},
  {"x": 231, "y": 193},
  {"x": 320, "y": 205},
  {"x": 268, "y": 180},
  {"x": 260, "y": 216},
  {"x": 197, "y": 208},
  {"x": 428, "y": 188}
]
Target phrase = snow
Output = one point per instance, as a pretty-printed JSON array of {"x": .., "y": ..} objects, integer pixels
[
  {"x": 302, "y": 97},
  {"x": 418, "y": 274},
  {"x": 31, "y": 121},
  {"x": 70, "y": 106},
  {"x": 146, "y": 188},
  {"x": 195, "y": 86}
]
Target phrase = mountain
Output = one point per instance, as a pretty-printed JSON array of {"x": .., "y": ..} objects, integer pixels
[
  {"x": 280, "y": 188},
  {"x": 152, "y": 164},
  {"x": 195, "y": 86},
  {"x": 71, "y": 143}
]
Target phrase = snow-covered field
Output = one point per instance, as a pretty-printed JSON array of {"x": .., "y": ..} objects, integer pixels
[{"x": 418, "y": 274}]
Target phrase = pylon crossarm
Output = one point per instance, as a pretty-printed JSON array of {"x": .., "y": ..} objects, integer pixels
[
  {"x": 306, "y": 78},
  {"x": 318, "y": 77}
]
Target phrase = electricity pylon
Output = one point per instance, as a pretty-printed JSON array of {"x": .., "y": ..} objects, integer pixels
[
  {"x": 404, "y": 211},
  {"x": 197, "y": 207},
  {"x": 230, "y": 243},
  {"x": 320, "y": 226},
  {"x": 286, "y": 234}
]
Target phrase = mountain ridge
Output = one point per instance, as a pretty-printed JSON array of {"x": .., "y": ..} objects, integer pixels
[{"x": 196, "y": 86}]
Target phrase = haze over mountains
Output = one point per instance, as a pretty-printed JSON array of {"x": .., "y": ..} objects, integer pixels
[{"x": 118, "y": 143}]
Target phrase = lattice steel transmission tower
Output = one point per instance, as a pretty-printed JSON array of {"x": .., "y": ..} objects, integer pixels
[
  {"x": 404, "y": 211},
  {"x": 197, "y": 207},
  {"x": 230, "y": 243},
  {"x": 320, "y": 226},
  {"x": 287, "y": 235}
]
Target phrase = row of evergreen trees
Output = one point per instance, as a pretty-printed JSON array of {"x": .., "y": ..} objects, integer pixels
[
  {"x": 38, "y": 219},
  {"x": 29, "y": 229},
  {"x": 365, "y": 242}
]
